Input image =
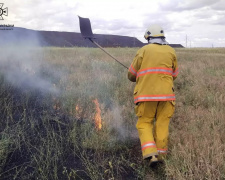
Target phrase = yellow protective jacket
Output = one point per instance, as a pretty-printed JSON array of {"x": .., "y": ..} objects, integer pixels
[{"x": 153, "y": 69}]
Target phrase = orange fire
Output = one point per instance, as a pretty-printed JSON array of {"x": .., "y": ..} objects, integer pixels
[
  {"x": 56, "y": 104},
  {"x": 78, "y": 111},
  {"x": 77, "y": 107},
  {"x": 98, "y": 119}
]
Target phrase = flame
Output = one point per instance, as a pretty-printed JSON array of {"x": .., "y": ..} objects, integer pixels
[
  {"x": 78, "y": 111},
  {"x": 77, "y": 107},
  {"x": 56, "y": 104},
  {"x": 98, "y": 119}
]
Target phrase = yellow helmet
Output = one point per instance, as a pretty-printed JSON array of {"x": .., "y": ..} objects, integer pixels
[{"x": 154, "y": 31}]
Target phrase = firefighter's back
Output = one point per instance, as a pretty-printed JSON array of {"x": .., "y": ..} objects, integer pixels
[{"x": 155, "y": 76}]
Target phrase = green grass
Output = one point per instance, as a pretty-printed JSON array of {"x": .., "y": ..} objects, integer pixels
[{"x": 44, "y": 136}]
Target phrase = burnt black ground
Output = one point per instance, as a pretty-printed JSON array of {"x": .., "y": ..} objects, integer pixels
[{"x": 29, "y": 120}]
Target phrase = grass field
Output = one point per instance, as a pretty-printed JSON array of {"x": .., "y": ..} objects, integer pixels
[{"x": 50, "y": 99}]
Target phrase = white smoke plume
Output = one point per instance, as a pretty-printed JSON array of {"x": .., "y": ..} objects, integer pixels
[
  {"x": 115, "y": 122},
  {"x": 22, "y": 64}
]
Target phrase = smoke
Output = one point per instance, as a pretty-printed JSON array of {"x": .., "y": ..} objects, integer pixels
[
  {"x": 22, "y": 63},
  {"x": 117, "y": 122},
  {"x": 105, "y": 84},
  {"x": 125, "y": 131}
]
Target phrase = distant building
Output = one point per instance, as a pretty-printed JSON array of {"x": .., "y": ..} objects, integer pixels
[{"x": 172, "y": 45}]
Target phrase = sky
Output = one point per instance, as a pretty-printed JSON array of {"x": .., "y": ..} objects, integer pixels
[{"x": 192, "y": 23}]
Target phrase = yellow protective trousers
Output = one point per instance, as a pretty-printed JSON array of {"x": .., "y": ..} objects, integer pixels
[{"x": 154, "y": 134}]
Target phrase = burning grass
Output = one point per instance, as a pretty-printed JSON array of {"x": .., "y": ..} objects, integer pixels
[{"x": 82, "y": 124}]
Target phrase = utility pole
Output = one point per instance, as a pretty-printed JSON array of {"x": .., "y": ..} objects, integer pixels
[{"x": 186, "y": 40}]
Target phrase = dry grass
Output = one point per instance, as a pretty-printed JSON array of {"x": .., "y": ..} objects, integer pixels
[
  {"x": 197, "y": 148},
  {"x": 70, "y": 147}
]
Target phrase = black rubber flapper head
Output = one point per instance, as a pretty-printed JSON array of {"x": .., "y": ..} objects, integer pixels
[{"x": 85, "y": 28}]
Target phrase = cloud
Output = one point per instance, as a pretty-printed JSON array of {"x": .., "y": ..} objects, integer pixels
[
  {"x": 181, "y": 5},
  {"x": 200, "y": 14},
  {"x": 129, "y": 18},
  {"x": 219, "y": 5},
  {"x": 47, "y": 15},
  {"x": 219, "y": 19}
]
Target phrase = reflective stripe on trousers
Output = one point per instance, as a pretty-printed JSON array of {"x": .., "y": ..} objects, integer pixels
[
  {"x": 169, "y": 97},
  {"x": 148, "y": 145}
]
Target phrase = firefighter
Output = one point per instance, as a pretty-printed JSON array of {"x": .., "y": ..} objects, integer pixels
[{"x": 154, "y": 68}]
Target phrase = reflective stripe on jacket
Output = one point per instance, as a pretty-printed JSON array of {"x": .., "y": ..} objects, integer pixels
[{"x": 153, "y": 69}]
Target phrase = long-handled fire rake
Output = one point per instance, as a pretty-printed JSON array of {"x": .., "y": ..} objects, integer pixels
[{"x": 86, "y": 31}]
